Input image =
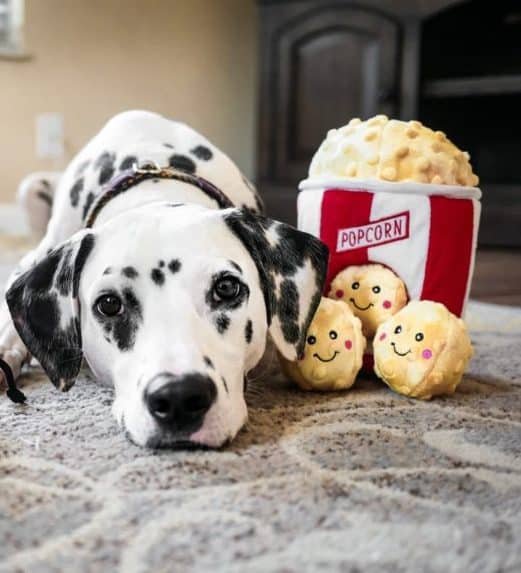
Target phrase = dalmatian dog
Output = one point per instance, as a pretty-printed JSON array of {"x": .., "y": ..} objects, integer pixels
[{"x": 169, "y": 292}]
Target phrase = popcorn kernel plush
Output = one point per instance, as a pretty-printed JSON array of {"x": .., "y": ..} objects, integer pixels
[
  {"x": 333, "y": 352},
  {"x": 373, "y": 292},
  {"x": 422, "y": 351}
]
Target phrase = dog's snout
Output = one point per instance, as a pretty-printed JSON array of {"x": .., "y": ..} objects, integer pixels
[{"x": 180, "y": 403}]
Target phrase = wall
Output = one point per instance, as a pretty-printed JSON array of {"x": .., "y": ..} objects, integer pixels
[{"x": 188, "y": 59}]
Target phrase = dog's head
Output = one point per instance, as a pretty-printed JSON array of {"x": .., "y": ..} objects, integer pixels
[{"x": 172, "y": 305}]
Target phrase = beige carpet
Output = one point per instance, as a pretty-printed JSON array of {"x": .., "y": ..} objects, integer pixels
[{"x": 364, "y": 481}]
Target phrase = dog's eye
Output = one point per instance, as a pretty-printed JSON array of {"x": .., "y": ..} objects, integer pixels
[
  {"x": 397, "y": 330},
  {"x": 226, "y": 288},
  {"x": 355, "y": 285},
  {"x": 109, "y": 305},
  {"x": 376, "y": 289},
  {"x": 419, "y": 336},
  {"x": 333, "y": 334}
]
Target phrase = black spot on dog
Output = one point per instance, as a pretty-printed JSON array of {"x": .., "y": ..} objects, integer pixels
[
  {"x": 222, "y": 322},
  {"x": 42, "y": 275},
  {"x": 174, "y": 266},
  {"x": 168, "y": 145},
  {"x": 105, "y": 157},
  {"x": 129, "y": 272},
  {"x": 174, "y": 204},
  {"x": 107, "y": 271},
  {"x": 182, "y": 162},
  {"x": 88, "y": 204},
  {"x": 225, "y": 385},
  {"x": 127, "y": 162},
  {"x": 288, "y": 309},
  {"x": 158, "y": 276},
  {"x": 107, "y": 327},
  {"x": 202, "y": 152},
  {"x": 65, "y": 274},
  {"x": 208, "y": 362},
  {"x": 161, "y": 264},
  {"x": 105, "y": 174},
  {"x": 248, "y": 331},
  {"x": 45, "y": 314},
  {"x": 155, "y": 180},
  {"x": 86, "y": 246},
  {"x": 105, "y": 163},
  {"x": 75, "y": 191},
  {"x": 45, "y": 196},
  {"x": 236, "y": 266},
  {"x": 289, "y": 300},
  {"x": 82, "y": 167},
  {"x": 127, "y": 324}
]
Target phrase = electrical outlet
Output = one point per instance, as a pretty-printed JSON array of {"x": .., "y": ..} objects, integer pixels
[{"x": 49, "y": 136}]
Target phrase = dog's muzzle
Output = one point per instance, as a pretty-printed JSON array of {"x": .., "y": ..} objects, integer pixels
[{"x": 179, "y": 403}]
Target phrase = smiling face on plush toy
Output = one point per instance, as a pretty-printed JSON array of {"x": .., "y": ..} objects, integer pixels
[
  {"x": 373, "y": 292},
  {"x": 422, "y": 351},
  {"x": 413, "y": 337},
  {"x": 334, "y": 348}
]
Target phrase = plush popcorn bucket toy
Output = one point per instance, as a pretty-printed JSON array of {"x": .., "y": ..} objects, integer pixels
[{"x": 398, "y": 194}]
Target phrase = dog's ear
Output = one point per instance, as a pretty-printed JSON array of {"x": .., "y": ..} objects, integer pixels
[
  {"x": 44, "y": 306},
  {"x": 292, "y": 268}
]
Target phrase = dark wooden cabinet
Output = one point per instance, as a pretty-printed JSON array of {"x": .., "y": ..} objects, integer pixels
[
  {"x": 323, "y": 63},
  {"x": 444, "y": 62},
  {"x": 470, "y": 87},
  {"x": 313, "y": 62}
]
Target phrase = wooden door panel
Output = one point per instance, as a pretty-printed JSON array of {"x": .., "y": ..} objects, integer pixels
[
  {"x": 329, "y": 66},
  {"x": 323, "y": 74}
]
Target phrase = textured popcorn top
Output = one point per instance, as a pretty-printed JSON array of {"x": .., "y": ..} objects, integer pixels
[{"x": 392, "y": 150}]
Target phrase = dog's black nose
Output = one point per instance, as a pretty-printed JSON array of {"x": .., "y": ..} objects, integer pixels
[{"x": 180, "y": 403}]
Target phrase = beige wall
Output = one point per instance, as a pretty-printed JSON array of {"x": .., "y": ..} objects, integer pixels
[{"x": 193, "y": 60}]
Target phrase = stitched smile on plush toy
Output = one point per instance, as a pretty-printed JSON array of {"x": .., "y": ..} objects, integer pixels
[
  {"x": 400, "y": 353},
  {"x": 329, "y": 359},
  {"x": 361, "y": 307}
]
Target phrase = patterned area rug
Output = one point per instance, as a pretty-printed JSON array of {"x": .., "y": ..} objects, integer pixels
[{"x": 358, "y": 481}]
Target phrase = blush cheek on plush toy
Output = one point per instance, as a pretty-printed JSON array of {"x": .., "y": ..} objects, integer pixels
[
  {"x": 334, "y": 349},
  {"x": 373, "y": 292},
  {"x": 422, "y": 351}
]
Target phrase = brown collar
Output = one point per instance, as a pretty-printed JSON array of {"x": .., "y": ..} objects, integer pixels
[{"x": 150, "y": 170}]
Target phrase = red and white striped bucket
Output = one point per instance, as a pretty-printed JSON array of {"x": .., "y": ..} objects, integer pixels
[{"x": 426, "y": 234}]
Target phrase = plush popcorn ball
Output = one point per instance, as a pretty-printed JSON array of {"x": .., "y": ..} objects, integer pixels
[
  {"x": 373, "y": 292},
  {"x": 422, "y": 351},
  {"x": 392, "y": 150},
  {"x": 334, "y": 349}
]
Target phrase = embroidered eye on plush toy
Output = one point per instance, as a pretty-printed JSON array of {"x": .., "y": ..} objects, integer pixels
[
  {"x": 422, "y": 351},
  {"x": 334, "y": 349},
  {"x": 373, "y": 292}
]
